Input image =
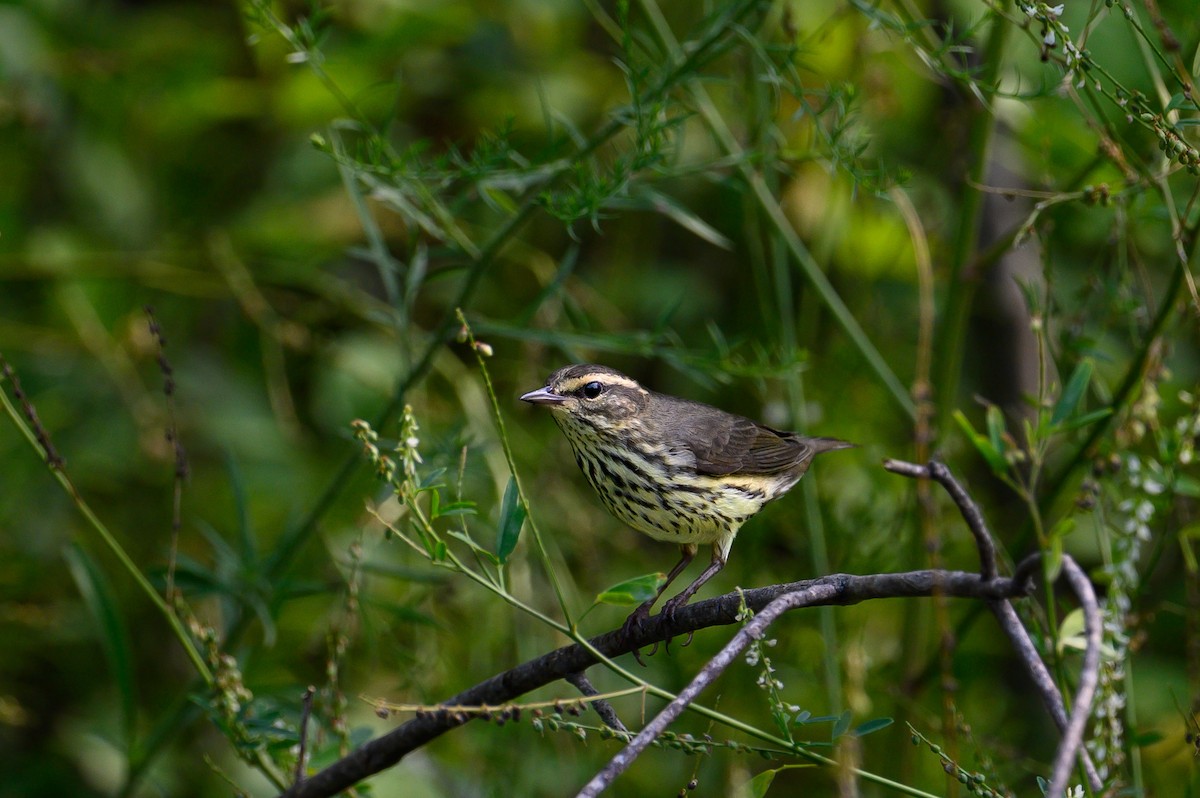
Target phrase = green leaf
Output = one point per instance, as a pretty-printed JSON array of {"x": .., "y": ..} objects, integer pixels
[
  {"x": 995, "y": 428},
  {"x": 1186, "y": 486},
  {"x": 101, "y": 601},
  {"x": 1053, "y": 555},
  {"x": 821, "y": 719},
  {"x": 431, "y": 480},
  {"x": 1180, "y": 101},
  {"x": 633, "y": 591},
  {"x": 863, "y": 729},
  {"x": 512, "y": 518},
  {"x": 993, "y": 457},
  {"x": 761, "y": 783},
  {"x": 1073, "y": 393},
  {"x": 1188, "y": 533},
  {"x": 842, "y": 725},
  {"x": 458, "y": 508},
  {"x": 1085, "y": 419},
  {"x": 673, "y": 210},
  {"x": 1146, "y": 739},
  {"x": 1071, "y": 632},
  {"x": 1064, "y": 527},
  {"x": 757, "y": 787}
]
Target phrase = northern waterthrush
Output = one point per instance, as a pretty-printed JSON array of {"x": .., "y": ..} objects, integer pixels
[{"x": 673, "y": 469}]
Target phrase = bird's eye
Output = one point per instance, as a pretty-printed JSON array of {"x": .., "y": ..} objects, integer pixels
[{"x": 592, "y": 390}]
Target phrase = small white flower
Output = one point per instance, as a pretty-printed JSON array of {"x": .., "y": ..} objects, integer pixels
[{"x": 1049, "y": 39}]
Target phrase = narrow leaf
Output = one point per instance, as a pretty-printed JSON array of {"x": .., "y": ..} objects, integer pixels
[
  {"x": 1180, "y": 101},
  {"x": 1085, "y": 419},
  {"x": 761, "y": 783},
  {"x": 98, "y": 595},
  {"x": 673, "y": 210},
  {"x": 1146, "y": 739},
  {"x": 1054, "y": 559},
  {"x": 993, "y": 457},
  {"x": 458, "y": 508},
  {"x": 995, "y": 427},
  {"x": 512, "y": 518},
  {"x": 863, "y": 729},
  {"x": 758, "y": 786},
  {"x": 1064, "y": 527},
  {"x": 1073, "y": 392},
  {"x": 842, "y": 725},
  {"x": 633, "y": 591},
  {"x": 432, "y": 479}
]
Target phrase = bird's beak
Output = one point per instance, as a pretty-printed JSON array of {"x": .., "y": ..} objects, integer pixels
[{"x": 542, "y": 396}]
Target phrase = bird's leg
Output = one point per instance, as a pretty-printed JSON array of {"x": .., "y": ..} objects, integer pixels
[
  {"x": 674, "y": 603},
  {"x": 638, "y": 617}
]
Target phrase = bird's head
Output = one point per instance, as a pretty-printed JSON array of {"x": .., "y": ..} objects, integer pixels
[{"x": 597, "y": 397}]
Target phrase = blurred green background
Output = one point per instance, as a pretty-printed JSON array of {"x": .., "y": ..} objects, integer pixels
[{"x": 304, "y": 194}]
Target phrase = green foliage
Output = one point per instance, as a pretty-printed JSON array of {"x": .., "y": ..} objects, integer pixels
[{"x": 410, "y": 213}]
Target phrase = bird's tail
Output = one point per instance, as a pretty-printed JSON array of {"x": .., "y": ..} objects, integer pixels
[{"x": 829, "y": 445}]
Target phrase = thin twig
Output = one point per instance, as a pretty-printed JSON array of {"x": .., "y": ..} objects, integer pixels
[
  {"x": 970, "y": 511},
  {"x": 181, "y": 459},
  {"x": 305, "y": 712},
  {"x": 53, "y": 459},
  {"x": 604, "y": 709},
  {"x": 753, "y": 630}
]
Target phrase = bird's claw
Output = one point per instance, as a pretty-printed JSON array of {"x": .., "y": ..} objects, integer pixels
[{"x": 633, "y": 626}]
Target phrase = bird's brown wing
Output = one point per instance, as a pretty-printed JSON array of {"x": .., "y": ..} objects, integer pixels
[{"x": 739, "y": 446}]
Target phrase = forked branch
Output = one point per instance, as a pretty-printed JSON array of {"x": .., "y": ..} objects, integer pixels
[{"x": 768, "y": 603}]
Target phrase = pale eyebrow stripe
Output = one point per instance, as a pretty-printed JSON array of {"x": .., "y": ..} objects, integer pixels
[{"x": 609, "y": 379}]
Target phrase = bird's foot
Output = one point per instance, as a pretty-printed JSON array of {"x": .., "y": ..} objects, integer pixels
[
  {"x": 633, "y": 627},
  {"x": 669, "y": 611}
]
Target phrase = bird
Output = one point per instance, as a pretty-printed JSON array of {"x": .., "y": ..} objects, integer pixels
[{"x": 676, "y": 470}]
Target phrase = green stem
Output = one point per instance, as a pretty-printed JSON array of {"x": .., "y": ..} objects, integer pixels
[
  {"x": 115, "y": 547},
  {"x": 551, "y": 574}
]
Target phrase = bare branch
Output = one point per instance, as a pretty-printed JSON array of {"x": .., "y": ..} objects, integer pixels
[
  {"x": 807, "y": 597},
  {"x": 604, "y": 709},
  {"x": 970, "y": 511},
  {"x": 1071, "y": 745},
  {"x": 1089, "y": 677},
  {"x": 837, "y": 589},
  {"x": 1038, "y": 672}
]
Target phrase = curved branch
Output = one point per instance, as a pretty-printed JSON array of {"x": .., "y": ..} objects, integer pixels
[
  {"x": 1071, "y": 745},
  {"x": 967, "y": 507},
  {"x": 837, "y": 589},
  {"x": 1089, "y": 677},
  {"x": 1038, "y": 672}
]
